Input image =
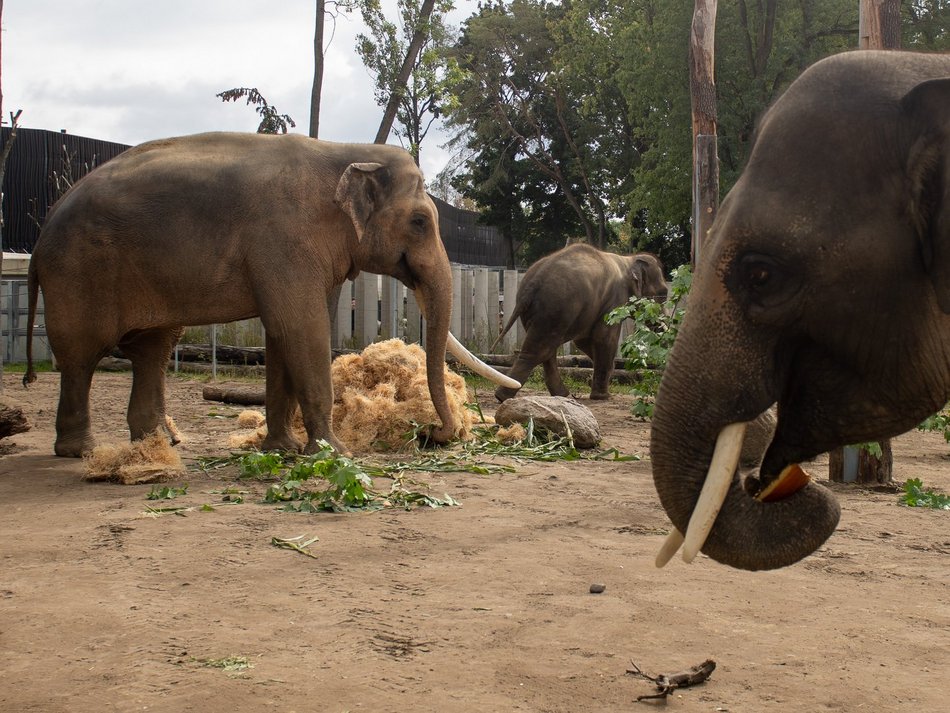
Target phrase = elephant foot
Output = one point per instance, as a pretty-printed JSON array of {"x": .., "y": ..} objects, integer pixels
[
  {"x": 285, "y": 442},
  {"x": 503, "y": 393},
  {"x": 315, "y": 445},
  {"x": 75, "y": 447},
  {"x": 599, "y": 395}
]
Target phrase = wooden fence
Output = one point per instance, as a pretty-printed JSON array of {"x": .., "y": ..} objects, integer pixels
[{"x": 371, "y": 308}]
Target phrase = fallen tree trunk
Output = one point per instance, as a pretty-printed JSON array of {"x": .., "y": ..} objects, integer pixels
[
  {"x": 234, "y": 394},
  {"x": 12, "y": 419}
]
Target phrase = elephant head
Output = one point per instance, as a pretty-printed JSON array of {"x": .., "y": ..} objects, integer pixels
[
  {"x": 645, "y": 275},
  {"x": 397, "y": 229},
  {"x": 823, "y": 287}
]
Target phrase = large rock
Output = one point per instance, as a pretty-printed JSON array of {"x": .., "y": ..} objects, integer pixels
[{"x": 552, "y": 412}]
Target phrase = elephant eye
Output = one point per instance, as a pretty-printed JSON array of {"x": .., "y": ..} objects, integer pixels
[
  {"x": 766, "y": 286},
  {"x": 418, "y": 222},
  {"x": 758, "y": 272},
  {"x": 758, "y": 275}
]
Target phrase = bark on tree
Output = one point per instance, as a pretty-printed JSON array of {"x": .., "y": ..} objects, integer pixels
[
  {"x": 879, "y": 28},
  {"x": 317, "y": 91},
  {"x": 402, "y": 79},
  {"x": 702, "y": 89}
]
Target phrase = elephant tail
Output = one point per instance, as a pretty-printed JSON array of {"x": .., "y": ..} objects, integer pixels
[
  {"x": 511, "y": 320},
  {"x": 33, "y": 288}
]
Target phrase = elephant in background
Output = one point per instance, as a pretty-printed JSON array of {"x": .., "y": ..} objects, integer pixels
[
  {"x": 824, "y": 288},
  {"x": 564, "y": 297},
  {"x": 220, "y": 227}
]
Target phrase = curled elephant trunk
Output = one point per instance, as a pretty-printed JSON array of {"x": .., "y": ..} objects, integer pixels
[
  {"x": 696, "y": 473},
  {"x": 437, "y": 338}
]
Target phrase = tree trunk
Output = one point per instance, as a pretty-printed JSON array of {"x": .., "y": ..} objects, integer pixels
[
  {"x": 879, "y": 28},
  {"x": 317, "y": 90},
  {"x": 234, "y": 394},
  {"x": 402, "y": 79},
  {"x": 702, "y": 89}
]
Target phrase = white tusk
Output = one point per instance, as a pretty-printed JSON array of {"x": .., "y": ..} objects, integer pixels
[
  {"x": 715, "y": 488},
  {"x": 477, "y": 365},
  {"x": 670, "y": 545}
]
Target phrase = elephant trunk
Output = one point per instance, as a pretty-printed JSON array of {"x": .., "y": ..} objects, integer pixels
[
  {"x": 437, "y": 313},
  {"x": 747, "y": 533}
]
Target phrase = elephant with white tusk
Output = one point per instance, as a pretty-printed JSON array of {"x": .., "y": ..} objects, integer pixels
[
  {"x": 220, "y": 227},
  {"x": 824, "y": 288}
]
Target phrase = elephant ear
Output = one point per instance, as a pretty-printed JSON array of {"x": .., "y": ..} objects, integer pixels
[
  {"x": 360, "y": 191},
  {"x": 926, "y": 113}
]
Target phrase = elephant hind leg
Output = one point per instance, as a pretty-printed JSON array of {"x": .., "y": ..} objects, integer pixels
[
  {"x": 552, "y": 378},
  {"x": 73, "y": 426},
  {"x": 602, "y": 350},
  {"x": 149, "y": 351},
  {"x": 537, "y": 349}
]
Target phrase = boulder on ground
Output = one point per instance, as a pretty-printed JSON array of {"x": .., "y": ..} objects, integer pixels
[{"x": 556, "y": 413}]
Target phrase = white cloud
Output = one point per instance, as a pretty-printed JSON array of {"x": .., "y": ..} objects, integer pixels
[{"x": 130, "y": 70}]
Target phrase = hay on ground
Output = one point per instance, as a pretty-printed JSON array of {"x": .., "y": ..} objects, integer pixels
[
  {"x": 381, "y": 392},
  {"x": 378, "y": 395},
  {"x": 149, "y": 460},
  {"x": 509, "y": 435}
]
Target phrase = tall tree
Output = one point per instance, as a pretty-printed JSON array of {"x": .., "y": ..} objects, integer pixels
[
  {"x": 409, "y": 66},
  {"x": 325, "y": 10},
  {"x": 524, "y": 113}
]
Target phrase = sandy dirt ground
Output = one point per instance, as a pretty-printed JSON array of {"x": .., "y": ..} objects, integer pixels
[{"x": 483, "y": 607}]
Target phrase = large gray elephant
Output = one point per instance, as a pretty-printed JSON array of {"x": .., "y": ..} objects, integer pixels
[
  {"x": 220, "y": 227},
  {"x": 824, "y": 288},
  {"x": 563, "y": 297}
]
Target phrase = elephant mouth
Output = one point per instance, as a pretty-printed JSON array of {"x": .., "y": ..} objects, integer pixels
[
  {"x": 715, "y": 490},
  {"x": 404, "y": 273}
]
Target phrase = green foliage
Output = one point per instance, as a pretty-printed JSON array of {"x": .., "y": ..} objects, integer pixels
[
  {"x": 166, "y": 492},
  {"x": 327, "y": 481},
  {"x": 915, "y": 496},
  {"x": 656, "y": 325},
  {"x": 940, "y": 421},
  {"x": 272, "y": 122},
  {"x": 872, "y": 448}
]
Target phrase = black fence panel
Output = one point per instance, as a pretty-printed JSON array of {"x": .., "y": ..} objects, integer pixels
[
  {"x": 469, "y": 242},
  {"x": 41, "y": 166}
]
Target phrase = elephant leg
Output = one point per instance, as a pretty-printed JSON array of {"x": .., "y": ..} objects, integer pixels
[
  {"x": 537, "y": 349},
  {"x": 73, "y": 426},
  {"x": 304, "y": 379},
  {"x": 280, "y": 401},
  {"x": 602, "y": 349},
  {"x": 149, "y": 351},
  {"x": 552, "y": 378}
]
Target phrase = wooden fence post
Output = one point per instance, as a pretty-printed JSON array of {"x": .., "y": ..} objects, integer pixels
[{"x": 366, "y": 290}]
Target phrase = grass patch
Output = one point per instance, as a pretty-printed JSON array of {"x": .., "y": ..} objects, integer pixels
[{"x": 20, "y": 367}]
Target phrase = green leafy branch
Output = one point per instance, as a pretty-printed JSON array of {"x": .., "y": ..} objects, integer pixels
[
  {"x": 914, "y": 495},
  {"x": 655, "y": 326}
]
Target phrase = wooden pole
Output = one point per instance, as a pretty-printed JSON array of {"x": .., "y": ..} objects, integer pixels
[
  {"x": 879, "y": 28},
  {"x": 702, "y": 89}
]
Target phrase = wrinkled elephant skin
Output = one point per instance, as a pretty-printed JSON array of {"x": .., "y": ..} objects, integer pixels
[
  {"x": 219, "y": 227},
  {"x": 563, "y": 297},
  {"x": 824, "y": 287}
]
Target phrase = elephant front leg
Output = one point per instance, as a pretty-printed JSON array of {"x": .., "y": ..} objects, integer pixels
[
  {"x": 279, "y": 400},
  {"x": 302, "y": 376}
]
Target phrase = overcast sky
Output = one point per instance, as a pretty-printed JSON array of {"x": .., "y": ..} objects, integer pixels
[{"x": 134, "y": 70}]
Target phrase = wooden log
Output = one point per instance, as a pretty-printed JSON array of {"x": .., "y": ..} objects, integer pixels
[
  {"x": 226, "y": 354},
  {"x": 234, "y": 394},
  {"x": 12, "y": 419}
]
